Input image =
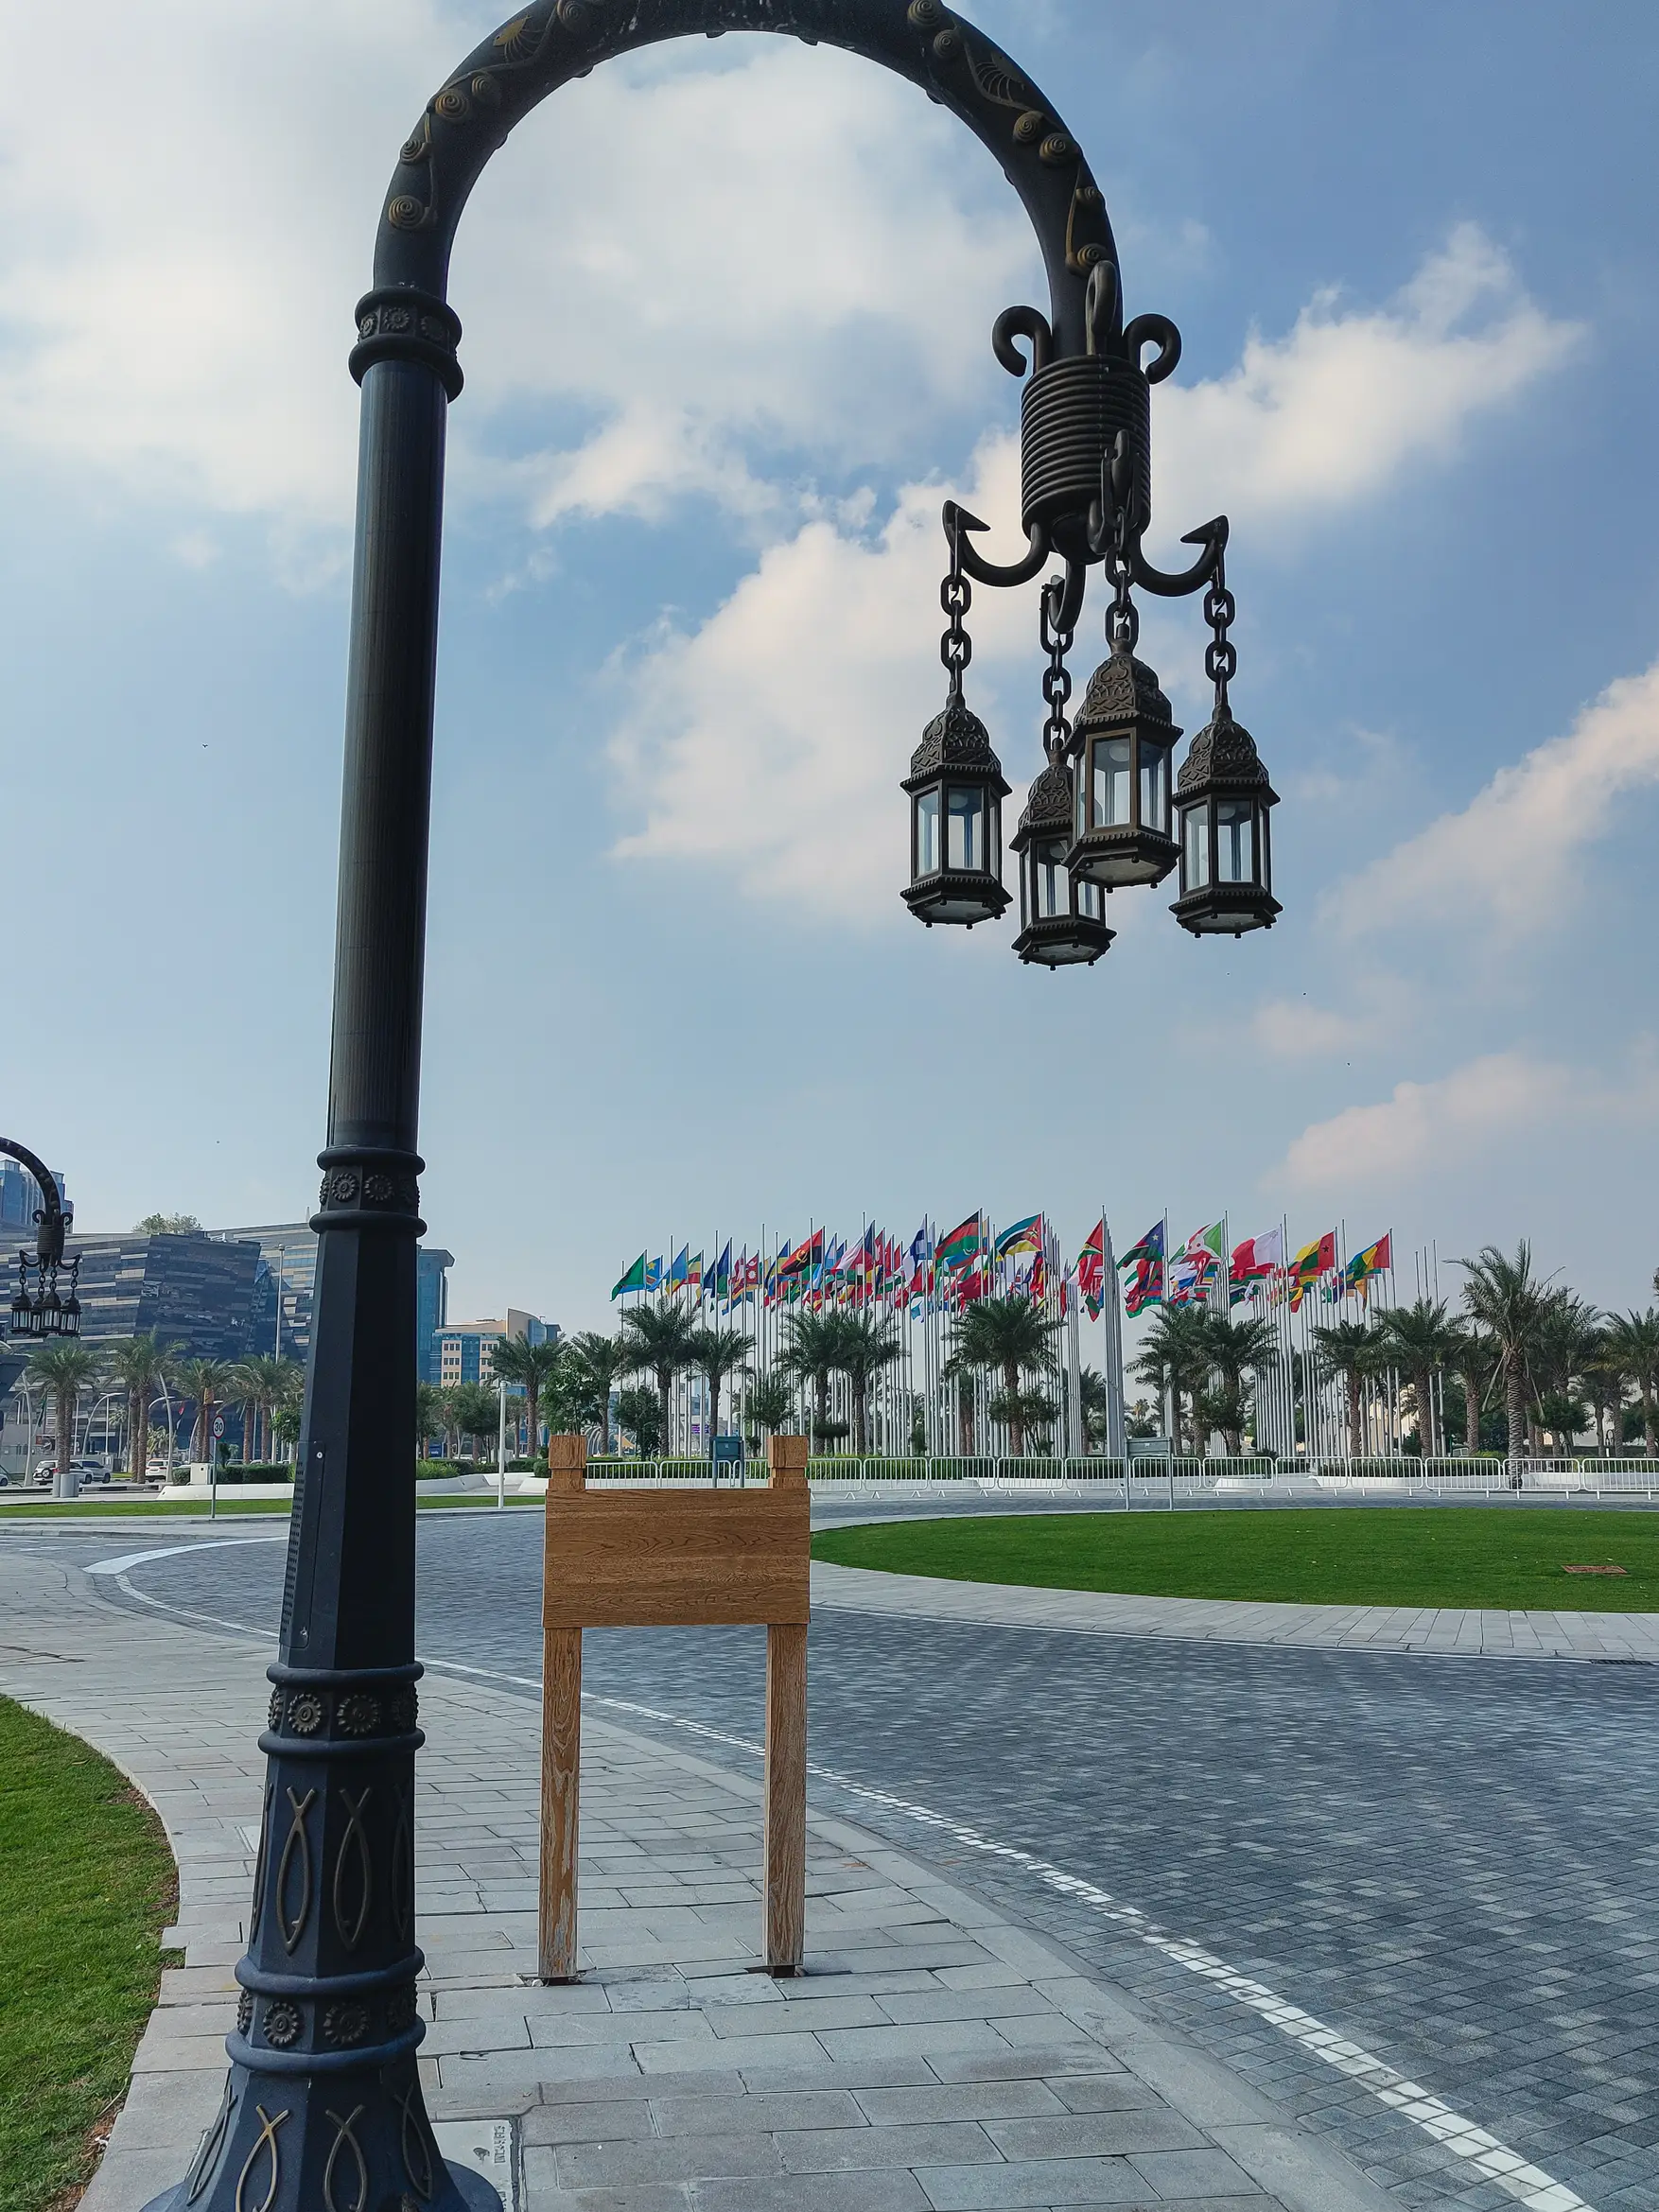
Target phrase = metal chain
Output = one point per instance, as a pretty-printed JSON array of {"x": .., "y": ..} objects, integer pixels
[
  {"x": 1122, "y": 620},
  {"x": 1220, "y": 654},
  {"x": 957, "y": 597},
  {"x": 1057, "y": 679}
]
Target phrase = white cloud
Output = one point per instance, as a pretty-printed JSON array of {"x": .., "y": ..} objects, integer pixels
[
  {"x": 1512, "y": 857},
  {"x": 1340, "y": 407},
  {"x": 1294, "y": 1029},
  {"x": 772, "y": 739},
  {"x": 688, "y": 258},
  {"x": 1457, "y": 1121}
]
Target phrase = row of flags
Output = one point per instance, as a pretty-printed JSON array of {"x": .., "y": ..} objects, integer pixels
[
  {"x": 1255, "y": 1269},
  {"x": 927, "y": 1272},
  {"x": 933, "y": 1273}
]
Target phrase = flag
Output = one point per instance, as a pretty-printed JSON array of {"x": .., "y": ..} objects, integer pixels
[
  {"x": 807, "y": 1254},
  {"x": 654, "y": 1274},
  {"x": 694, "y": 1273},
  {"x": 963, "y": 1244},
  {"x": 1375, "y": 1259},
  {"x": 1092, "y": 1270},
  {"x": 634, "y": 1279},
  {"x": 1258, "y": 1256},
  {"x": 1311, "y": 1263},
  {"x": 1026, "y": 1236},
  {"x": 722, "y": 1273},
  {"x": 1145, "y": 1287},
  {"x": 967, "y": 1287},
  {"x": 1149, "y": 1248},
  {"x": 676, "y": 1273}
]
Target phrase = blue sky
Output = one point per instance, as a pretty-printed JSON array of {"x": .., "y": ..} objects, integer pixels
[{"x": 727, "y": 311}]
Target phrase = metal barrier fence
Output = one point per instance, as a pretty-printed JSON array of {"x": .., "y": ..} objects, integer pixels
[{"x": 1167, "y": 1483}]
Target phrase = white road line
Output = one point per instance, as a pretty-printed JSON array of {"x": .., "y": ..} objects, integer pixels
[
  {"x": 174, "y": 1551},
  {"x": 1490, "y": 2157}
]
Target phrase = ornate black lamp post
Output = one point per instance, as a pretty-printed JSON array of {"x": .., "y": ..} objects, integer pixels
[
  {"x": 322, "y": 2108},
  {"x": 43, "y": 1311}
]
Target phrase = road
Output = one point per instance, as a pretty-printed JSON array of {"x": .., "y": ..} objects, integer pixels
[{"x": 1451, "y": 1861}]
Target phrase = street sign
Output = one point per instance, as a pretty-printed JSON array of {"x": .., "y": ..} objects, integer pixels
[{"x": 218, "y": 1425}]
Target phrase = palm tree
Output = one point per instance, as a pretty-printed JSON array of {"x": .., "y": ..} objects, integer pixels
[
  {"x": 64, "y": 1369},
  {"x": 1173, "y": 1359},
  {"x": 720, "y": 1352},
  {"x": 1420, "y": 1338},
  {"x": 596, "y": 1362},
  {"x": 1636, "y": 1337},
  {"x": 868, "y": 1347},
  {"x": 262, "y": 1384},
  {"x": 430, "y": 1420},
  {"x": 771, "y": 1404},
  {"x": 514, "y": 1359},
  {"x": 1094, "y": 1403},
  {"x": 1565, "y": 1345},
  {"x": 637, "y": 1415},
  {"x": 812, "y": 1355},
  {"x": 476, "y": 1411},
  {"x": 1505, "y": 1300},
  {"x": 1604, "y": 1378},
  {"x": 1351, "y": 1350},
  {"x": 962, "y": 1374},
  {"x": 1471, "y": 1360},
  {"x": 1010, "y": 1336},
  {"x": 206, "y": 1380},
  {"x": 1235, "y": 1349},
  {"x": 138, "y": 1363},
  {"x": 659, "y": 1340}
]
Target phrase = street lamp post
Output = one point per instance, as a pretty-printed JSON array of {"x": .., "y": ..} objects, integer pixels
[
  {"x": 322, "y": 2105},
  {"x": 45, "y": 1310}
]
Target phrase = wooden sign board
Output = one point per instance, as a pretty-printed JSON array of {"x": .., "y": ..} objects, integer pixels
[{"x": 676, "y": 1559}]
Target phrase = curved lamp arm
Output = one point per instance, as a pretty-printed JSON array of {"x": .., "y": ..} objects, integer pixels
[{"x": 50, "y": 1217}]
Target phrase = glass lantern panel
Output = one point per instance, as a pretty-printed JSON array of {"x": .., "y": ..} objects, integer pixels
[
  {"x": 994, "y": 837},
  {"x": 1154, "y": 788},
  {"x": 1052, "y": 882},
  {"x": 1112, "y": 783},
  {"x": 1091, "y": 900},
  {"x": 1194, "y": 848},
  {"x": 963, "y": 827},
  {"x": 927, "y": 834},
  {"x": 1235, "y": 841}
]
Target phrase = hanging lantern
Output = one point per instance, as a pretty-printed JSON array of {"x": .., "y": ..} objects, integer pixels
[
  {"x": 1062, "y": 922},
  {"x": 957, "y": 790},
  {"x": 1224, "y": 799},
  {"x": 1124, "y": 740}
]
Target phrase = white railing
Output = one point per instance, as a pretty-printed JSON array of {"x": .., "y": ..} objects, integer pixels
[{"x": 1156, "y": 1482}]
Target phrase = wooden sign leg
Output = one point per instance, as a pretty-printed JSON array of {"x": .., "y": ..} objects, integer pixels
[
  {"x": 561, "y": 1788},
  {"x": 785, "y": 1848}
]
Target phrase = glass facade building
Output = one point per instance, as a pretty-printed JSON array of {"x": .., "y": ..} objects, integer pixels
[
  {"x": 19, "y": 1196},
  {"x": 195, "y": 1292}
]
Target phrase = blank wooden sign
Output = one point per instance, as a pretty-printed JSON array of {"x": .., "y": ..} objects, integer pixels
[{"x": 676, "y": 1559}]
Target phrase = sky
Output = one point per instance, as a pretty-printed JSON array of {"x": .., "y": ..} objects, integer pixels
[{"x": 727, "y": 311}]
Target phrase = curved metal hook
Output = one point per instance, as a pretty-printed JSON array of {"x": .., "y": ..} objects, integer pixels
[
  {"x": 1029, "y": 322},
  {"x": 50, "y": 1217},
  {"x": 958, "y": 522},
  {"x": 1211, "y": 536},
  {"x": 1064, "y": 595},
  {"x": 1160, "y": 331}
]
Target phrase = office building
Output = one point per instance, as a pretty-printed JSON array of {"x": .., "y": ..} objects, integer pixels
[
  {"x": 285, "y": 1282},
  {"x": 20, "y": 1194},
  {"x": 195, "y": 1291},
  {"x": 465, "y": 1350},
  {"x": 432, "y": 1266}
]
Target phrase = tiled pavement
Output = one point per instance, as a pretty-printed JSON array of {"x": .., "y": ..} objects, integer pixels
[
  {"x": 1449, "y": 1859},
  {"x": 936, "y": 2054}
]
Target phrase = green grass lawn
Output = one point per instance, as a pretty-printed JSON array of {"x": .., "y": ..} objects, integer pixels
[
  {"x": 87, "y": 1884},
  {"x": 1506, "y": 1557}
]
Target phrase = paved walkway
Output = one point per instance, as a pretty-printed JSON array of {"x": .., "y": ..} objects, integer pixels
[
  {"x": 1618, "y": 1637},
  {"x": 936, "y": 2054}
]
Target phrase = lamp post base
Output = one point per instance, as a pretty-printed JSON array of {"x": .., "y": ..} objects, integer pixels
[{"x": 468, "y": 2190}]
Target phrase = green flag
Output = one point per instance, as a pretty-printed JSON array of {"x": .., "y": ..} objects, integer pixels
[{"x": 634, "y": 1279}]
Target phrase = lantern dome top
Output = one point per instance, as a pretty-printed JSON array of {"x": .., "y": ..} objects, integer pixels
[
  {"x": 955, "y": 739},
  {"x": 1049, "y": 801},
  {"x": 1223, "y": 752},
  {"x": 1123, "y": 690}
]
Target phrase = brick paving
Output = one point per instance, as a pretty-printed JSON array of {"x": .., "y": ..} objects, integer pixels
[
  {"x": 1448, "y": 1859},
  {"x": 937, "y": 2054}
]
